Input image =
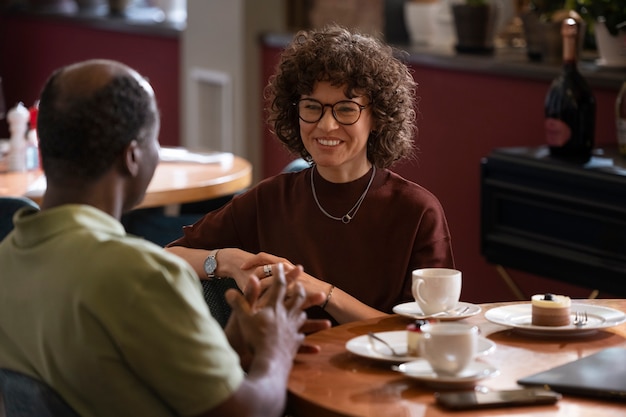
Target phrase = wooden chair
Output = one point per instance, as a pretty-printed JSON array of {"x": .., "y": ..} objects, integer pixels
[{"x": 25, "y": 396}]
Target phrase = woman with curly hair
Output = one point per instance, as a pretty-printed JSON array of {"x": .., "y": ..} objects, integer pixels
[{"x": 346, "y": 104}]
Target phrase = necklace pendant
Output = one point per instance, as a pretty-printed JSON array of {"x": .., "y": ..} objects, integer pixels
[{"x": 347, "y": 217}]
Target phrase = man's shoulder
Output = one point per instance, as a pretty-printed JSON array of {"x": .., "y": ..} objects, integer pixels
[{"x": 132, "y": 251}]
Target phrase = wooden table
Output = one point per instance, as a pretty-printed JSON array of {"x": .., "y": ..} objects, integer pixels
[
  {"x": 336, "y": 382},
  {"x": 173, "y": 182}
]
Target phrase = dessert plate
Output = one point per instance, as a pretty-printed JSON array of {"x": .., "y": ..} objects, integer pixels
[
  {"x": 412, "y": 310},
  {"x": 519, "y": 316},
  {"x": 361, "y": 346},
  {"x": 420, "y": 370}
]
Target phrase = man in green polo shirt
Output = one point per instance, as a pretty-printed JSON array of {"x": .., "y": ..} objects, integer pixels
[{"x": 116, "y": 325}]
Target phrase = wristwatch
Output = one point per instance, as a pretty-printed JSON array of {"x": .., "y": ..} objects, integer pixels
[{"x": 210, "y": 264}]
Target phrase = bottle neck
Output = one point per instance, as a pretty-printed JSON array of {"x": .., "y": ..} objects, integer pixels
[
  {"x": 569, "y": 32},
  {"x": 569, "y": 50}
]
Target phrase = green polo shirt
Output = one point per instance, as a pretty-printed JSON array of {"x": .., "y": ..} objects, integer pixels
[{"x": 114, "y": 323}]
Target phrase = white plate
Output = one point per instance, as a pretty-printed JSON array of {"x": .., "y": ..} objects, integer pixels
[
  {"x": 421, "y": 371},
  {"x": 412, "y": 310},
  {"x": 361, "y": 346},
  {"x": 519, "y": 316}
]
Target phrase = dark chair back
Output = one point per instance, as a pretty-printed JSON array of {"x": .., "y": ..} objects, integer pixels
[
  {"x": 213, "y": 291},
  {"x": 24, "y": 396},
  {"x": 8, "y": 207},
  {"x": 296, "y": 165}
]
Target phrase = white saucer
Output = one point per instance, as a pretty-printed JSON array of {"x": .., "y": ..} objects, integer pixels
[
  {"x": 361, "y": 346},
  {"x": 412, "y": 310},
  {"x": 519, "y": 316},
  {"x": 420, "y": 370}
]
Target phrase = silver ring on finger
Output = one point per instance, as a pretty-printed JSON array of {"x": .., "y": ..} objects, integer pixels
[{"x": 267, "y": 270}]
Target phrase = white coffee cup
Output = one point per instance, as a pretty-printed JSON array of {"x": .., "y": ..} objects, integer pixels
[
  {"x": 436, "y": 289},
  {"x": 449, "y": 347}
]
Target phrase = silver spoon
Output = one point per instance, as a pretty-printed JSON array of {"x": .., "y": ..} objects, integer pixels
[{"x": 373, "y": 337}]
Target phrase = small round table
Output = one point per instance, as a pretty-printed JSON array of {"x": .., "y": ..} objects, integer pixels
[{"x": 173, "y": 182}]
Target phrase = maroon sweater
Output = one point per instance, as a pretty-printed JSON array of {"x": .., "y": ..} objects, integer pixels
[{"x": 399, "y": 227}]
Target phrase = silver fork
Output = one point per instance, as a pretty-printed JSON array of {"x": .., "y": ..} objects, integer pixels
[
  {"x": 451, "y": 313},
  {"x": 373, "y": 337},
  {"x": 580, "y": 318}
]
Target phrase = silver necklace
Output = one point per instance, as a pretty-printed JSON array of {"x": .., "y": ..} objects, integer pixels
[{"x": 352, "y": 212}]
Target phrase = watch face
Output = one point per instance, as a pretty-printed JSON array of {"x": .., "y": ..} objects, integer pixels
[{"x": 210, "y": 264}]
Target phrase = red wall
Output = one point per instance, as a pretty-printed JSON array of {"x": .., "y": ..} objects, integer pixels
[
  {"x": 463, "y": 116},
  {"x": 32, "y": 47}
]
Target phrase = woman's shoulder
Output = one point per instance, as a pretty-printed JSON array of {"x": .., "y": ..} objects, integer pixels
[
  {"x": 409, "y": 193},
  {"x": 272, "y": 188},
  {"x": 403, "y": 185},
  {"x": 284, "y": 180}
]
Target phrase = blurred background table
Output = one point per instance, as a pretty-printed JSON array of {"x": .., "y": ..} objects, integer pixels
[
  {"x": 173, "y": 182},
  {"x": 336, "y": 382}
]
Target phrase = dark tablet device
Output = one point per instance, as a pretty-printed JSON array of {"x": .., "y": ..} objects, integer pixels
[{"x": 602, "y": 374}]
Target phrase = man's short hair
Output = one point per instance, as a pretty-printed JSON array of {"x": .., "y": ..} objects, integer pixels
[{"x": 81, "y": 133}]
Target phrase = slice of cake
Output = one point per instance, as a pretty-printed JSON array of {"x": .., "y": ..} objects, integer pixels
[
  {"x": 550, "y": 310},
  {"x": 414, "y": 336}
]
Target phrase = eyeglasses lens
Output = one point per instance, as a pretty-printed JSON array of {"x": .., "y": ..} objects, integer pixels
[{"x": 346, "y": 112}]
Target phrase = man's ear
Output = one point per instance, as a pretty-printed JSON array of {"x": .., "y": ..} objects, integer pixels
[{"x": 131, "y": 158}]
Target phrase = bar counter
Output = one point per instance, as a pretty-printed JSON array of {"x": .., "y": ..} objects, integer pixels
[
  {"x": 136, "y": 20},
  {"x": 505, "y": 61}
]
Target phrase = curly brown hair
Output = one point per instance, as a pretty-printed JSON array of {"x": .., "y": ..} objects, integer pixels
[{"x": 365, "y": 66}]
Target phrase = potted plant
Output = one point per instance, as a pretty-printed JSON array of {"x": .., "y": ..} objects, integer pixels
[
  {"x": 607, "y": 21},
  {"x": 421, "y": 20},
  {"x": 542, "y": 29},
  {"x": 542, "y": 25},
  {"x": 475, "y": 25},
  {"x": 546, "y": 8},
  {"x": 612, "y": 12}
]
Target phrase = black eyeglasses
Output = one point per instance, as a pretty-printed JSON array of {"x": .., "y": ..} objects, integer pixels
[{"x": 345, "y": 112}]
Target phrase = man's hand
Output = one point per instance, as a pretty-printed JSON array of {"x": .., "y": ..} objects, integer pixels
[{"x": 272, "y": 319}]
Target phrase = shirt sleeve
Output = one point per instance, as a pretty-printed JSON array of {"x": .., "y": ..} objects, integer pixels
[{"x": 166, "y": 335}]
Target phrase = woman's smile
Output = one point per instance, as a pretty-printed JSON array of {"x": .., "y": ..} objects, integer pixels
[{"x": 328, "y": 142}]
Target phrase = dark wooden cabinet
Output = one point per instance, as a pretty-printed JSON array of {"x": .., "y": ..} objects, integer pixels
[{"x": 555, "y": 219}]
